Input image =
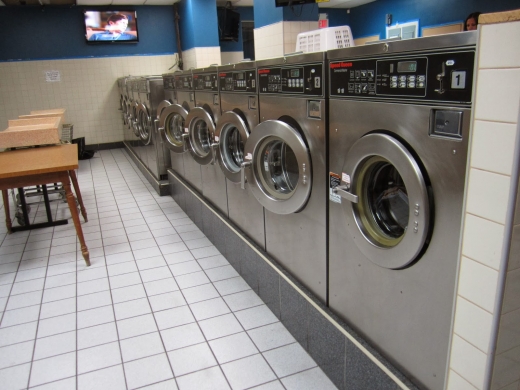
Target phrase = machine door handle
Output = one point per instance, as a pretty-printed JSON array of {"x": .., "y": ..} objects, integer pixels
[
  {"x": 243, "y": 166},
  {"x": 214, "y": 147},
  {"x": 343, "y": 191}
]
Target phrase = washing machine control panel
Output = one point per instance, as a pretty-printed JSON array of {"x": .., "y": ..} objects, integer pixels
[
  {"x": 298, "y": 79},
  {"x": 169, "y": 83},
  {"x": 184, "y": 82},
  {"x": 205, "y": 82},
  {"x": 439, "y": 77},
  {"x": 238, "y": 81}
]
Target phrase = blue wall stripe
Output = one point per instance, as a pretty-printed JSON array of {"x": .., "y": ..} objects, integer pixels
[{"x": 57, "y": 32}]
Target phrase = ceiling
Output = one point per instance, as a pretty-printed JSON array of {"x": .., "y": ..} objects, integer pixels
[{"x": 235, "y": 3}]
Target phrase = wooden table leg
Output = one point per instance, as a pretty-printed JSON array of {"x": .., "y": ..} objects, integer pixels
[
  {"x": 75, "y": 218},
  {"x": 74, "y": 178},
  {"x": 5, "y": 196}
]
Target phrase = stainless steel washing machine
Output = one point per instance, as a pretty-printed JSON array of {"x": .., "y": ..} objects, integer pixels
[
  {"x": 121, "y": 89},
  {"x": 398, "y": 142},
  {"x": 173, "y": 126},
  {"x": 132, "y": 105},
  {"x": 238, "y": 84},
  {"x": 286, "y": 168},
  {"x": 201, "y": 122},
  {"x": 156, "y": 155}
]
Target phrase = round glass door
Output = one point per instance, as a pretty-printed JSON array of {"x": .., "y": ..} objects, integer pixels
[
  {"x": 201, "y": 131},
  {"x": 134, "y": 119},
  {"x": 277, "y": 168},
  {"x": 172, "y": 127},
  {"x": 231, "y": 134},
  {"x": 393, "y": 209},
  {"x": 144, "y": 123},
  {"x": 124, "y": 108},
  {"x": 280, "y": 175}
]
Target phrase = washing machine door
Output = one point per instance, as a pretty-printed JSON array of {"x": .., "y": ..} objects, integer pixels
[
  {"x": 162, "y": 105},
  {"x": 144, "y": 124},
  {"x": 133, "y": 119},
  {"x": 278, "y": 167},
  {"x": 124, "y": 108},
  {"x": 201, "y": 130},
  {"x": 171, "y": 127},
  {"x": 231, "y": 135},
  {"x": 387, "y": 201}
]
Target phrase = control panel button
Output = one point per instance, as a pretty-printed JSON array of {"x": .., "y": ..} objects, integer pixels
[
  {"x": 411, "y": 84},
  {"x": 370, "y": 73},
  {"x": 402, "y": 84},
  {"x": 358, "y": 73},
  {"x": 421, "y": 78},
  {"x": 420, "y": 84},
  {"x": 364, "y": 73},
  {"x": 393, "y": 84}
]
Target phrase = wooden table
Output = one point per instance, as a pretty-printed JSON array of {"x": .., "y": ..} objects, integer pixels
[{"x": 42, "y": 165}]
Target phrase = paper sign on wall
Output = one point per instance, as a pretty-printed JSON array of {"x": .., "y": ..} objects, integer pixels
[{"x": 52, "y": 76}]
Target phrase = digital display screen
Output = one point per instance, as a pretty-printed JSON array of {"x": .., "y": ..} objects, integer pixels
[
  {"x": 240, "y": 76},
  {"x": 406, "y": 66},
  {"x": 111, "y": 26},
  {"x": 295, "y": 72}
]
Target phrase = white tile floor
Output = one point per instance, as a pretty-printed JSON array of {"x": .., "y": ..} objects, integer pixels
[{"x": 159, "y": 308}]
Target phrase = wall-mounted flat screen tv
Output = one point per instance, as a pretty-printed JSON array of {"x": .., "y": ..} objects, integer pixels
[
  {"x": 285, "y": 3},
  {"x": 111, "y": 26}
]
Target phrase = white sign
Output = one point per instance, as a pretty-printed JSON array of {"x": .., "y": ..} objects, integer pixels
[{"x": 52, "y": 76}]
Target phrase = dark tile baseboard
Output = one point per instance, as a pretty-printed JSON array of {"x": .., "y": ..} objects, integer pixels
[
  {"x": 160, "y": 186},
  {"x": 108, "y": 145},
  {"x": 346, "y": 358}
]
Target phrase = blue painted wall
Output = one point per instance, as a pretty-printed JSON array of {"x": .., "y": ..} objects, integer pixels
[
  {"x": 198, "y": 23},
  {"x": 246, "y": 13},
  {"x": 34, "y": 33},
  {"x": 300, "y": 13},
  {"x": 267, "y": 13},
  {"x": 369, "y": 19}
]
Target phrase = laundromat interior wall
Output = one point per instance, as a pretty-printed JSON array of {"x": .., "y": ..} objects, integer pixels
[{"x": 36, "y": 40}]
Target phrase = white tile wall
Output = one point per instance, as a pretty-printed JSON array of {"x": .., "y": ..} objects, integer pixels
[
  {"x": 269, "y": 41},
  {"x": 87, "y": 90},
  {"x": 493, "y": 139},
  {"x": 455, "y": 381},
  {"x": 490, "y": 201},
  {"x": 200, "y": 57},
  {"x": 477, "y": 284},
  {"x": 231, "y": 57},
  {"x": 481, "y": 238},
  {"x": 473, "y": 324},
  {"x": 468, "y": 361}
]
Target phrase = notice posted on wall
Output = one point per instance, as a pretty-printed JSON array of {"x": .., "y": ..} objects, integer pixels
[{"x": 52, "y": 76}]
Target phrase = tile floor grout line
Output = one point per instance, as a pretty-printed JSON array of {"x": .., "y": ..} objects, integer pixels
[
  {"x": 38, "y": 324},
  {"x": 245, "y": 330},
  {"x": 115, "y": 318}
]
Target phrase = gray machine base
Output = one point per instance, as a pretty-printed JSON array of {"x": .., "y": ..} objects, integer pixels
[
  {"x": 161, "y": 186},
  {"x": 344, "y": 357}
]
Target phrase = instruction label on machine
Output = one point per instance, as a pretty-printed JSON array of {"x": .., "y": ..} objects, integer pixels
[{"x": 334, "y": 181}]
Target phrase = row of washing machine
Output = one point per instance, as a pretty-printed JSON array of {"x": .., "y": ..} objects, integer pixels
[{"x": 348, "y": 168}]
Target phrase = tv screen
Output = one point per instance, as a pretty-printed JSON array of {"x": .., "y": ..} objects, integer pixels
[
  {"x": 228, "y": 24},
  {"x": 285, "y": 3},
  {"x": 111, "y": 26}
]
